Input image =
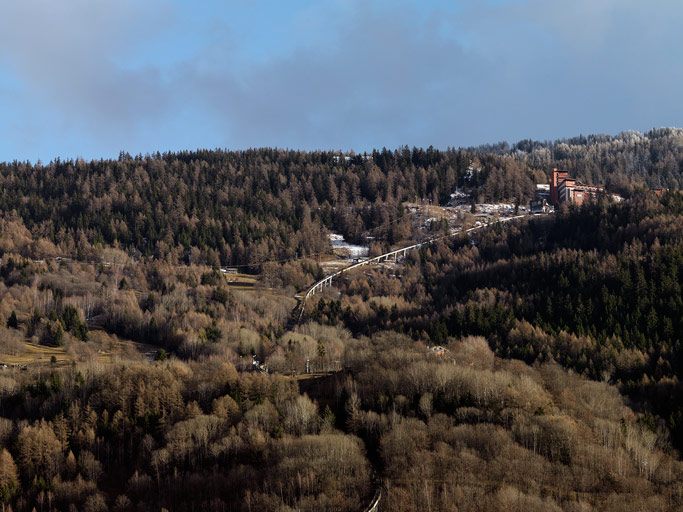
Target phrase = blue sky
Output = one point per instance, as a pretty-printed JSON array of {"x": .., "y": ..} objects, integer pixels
[{"x": 90, "y": 78}]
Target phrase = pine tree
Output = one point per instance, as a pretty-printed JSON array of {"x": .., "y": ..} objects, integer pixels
[
  {"x": 9, "y": 477},
  {"x": 12, "y": 321}
]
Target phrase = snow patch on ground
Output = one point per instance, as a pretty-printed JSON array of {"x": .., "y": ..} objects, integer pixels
[{"x": 341, "y": 245}]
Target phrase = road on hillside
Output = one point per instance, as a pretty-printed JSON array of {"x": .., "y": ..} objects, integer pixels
[{"x": 395, "y": 254}]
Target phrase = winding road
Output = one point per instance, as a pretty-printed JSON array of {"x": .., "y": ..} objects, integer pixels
[{"x": 395, "y": 254}]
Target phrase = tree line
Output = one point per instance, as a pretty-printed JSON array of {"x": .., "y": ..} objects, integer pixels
[{"x": 228, "y": 207}]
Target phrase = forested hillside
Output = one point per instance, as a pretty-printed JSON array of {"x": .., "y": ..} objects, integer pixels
[
  {"x": 220, "y": 207},
  {"x": 532, "y": 366},
  {"x": 623, "y": 163},
  {"x": 462, "y": 432},
  {"x": 598, "y": 289}
]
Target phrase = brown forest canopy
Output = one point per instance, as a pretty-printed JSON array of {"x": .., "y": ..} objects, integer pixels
[
  {"x": 595, "y": 289},
  {"x": 245, "y": 207}
]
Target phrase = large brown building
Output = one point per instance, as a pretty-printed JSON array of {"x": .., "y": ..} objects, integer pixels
[
  {"x": 556, "y": 178},
  {"x": 565, "y": 189}
]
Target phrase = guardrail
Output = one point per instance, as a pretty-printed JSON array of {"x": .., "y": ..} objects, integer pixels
[{"x": 327, "y": 281}]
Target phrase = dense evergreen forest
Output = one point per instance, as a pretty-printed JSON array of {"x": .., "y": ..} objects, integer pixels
[
  {"x": 220, "y": 207},
  {"x": 534, "y": 366},
  {"x": 598, "y": 289}
]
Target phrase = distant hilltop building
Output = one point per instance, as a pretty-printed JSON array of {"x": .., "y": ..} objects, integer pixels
[
  {"x": 542, "y": 191},
  {"x": 337, "y": 159},
  {"x": 539, "y": 205},
  {"x": 565, "y": 189}
]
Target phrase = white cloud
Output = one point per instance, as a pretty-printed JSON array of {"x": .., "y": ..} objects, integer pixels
[
  {"x": 71, "y": 57},
  {"x": 116, "y": 75}
]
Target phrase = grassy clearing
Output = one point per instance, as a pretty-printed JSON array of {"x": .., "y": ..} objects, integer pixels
[
  {"x": 101, "y": 348},
  {"x": 36, "y": 354},
  {"x": 241, "y": 280}
]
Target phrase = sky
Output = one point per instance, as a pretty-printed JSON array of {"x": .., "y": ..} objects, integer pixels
[{"x": 92, "y": 78}]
